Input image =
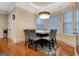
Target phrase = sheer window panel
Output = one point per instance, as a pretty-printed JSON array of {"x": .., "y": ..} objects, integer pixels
[
  {"x": 77, "y": 20},
  {"x": 39, "y": 24},
  {"x": 67, "y": 28},
  {"x": 67, "y": 22},
  {"x": 53, "y": 22}
]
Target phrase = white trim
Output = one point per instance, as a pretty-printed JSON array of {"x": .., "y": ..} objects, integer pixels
[
  {"x": 76, "y": 53},
  {"x": 49, "y": 6},
  {"x": 19, "y": 41},
  {"x": 34, "y": 9},
  {"x": 73, "y": 44},
  {"x": 12, "y": 38},
  {"x": 16, "y": 40},
  {"x": 3, "y": 12}
]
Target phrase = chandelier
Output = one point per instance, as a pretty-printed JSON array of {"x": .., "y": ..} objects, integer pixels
[{"x": 44, "y": 15}]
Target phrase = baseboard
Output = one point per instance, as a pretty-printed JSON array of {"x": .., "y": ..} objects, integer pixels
[
  {"x": 69, "y": 42},
  {"x": 76, "y": 53},
  {"x": 19, "y": 41},
  {"x": 1, "y": 36},
  {"x": 15, "y": 40},
  {"x": 12, "y": 38}
]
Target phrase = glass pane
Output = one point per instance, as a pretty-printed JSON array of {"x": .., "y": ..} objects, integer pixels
[
  {"x": 77, "y": 20},
  {"x": 53, "y": 22},
  {"x": 67, "y": 22},
  {"x": 77, "y": 15},
  {"x": 67, "y": 28},
  {"x": 39, "y": 24},
  {"x": 77, "y": 28},
  {"x": 67, "y": 16}
]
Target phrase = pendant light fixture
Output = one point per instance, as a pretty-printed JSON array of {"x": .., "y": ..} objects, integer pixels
[{"x": 44, "y": 15}]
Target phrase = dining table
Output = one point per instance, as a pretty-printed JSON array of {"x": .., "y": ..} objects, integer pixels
[{"x": 42, "y": 41}]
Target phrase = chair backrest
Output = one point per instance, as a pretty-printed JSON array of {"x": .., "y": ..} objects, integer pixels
[
  {"x": 32, "y": 34},
  {"x": 5, "y": 33},
  {"x": 26, "y": 32},
  {"x": 52, "y": 34}
]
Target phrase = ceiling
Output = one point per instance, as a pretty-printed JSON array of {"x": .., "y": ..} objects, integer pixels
[
  {"x": 5, "y": 7},
  {"x": 33, "y": 7},
  {"x": 37, "y": 7},
  {"x": 42, "y": 4}
]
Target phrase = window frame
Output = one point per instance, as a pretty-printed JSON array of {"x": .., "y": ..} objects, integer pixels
[{"x": 67, "y": 22}]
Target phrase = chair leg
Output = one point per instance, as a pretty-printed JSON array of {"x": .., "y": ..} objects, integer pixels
[
  {"x": 25, "y": 41},
  {"x": 55, "y": 41},
  {"x": 49, "y": 46},
  {"x": 35, "y": 47}
]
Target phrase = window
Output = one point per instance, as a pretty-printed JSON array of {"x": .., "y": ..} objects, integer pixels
[
  {"x": 39, "y": 24},
  {"x": 77, "y": 20},
  {"x": 53, "y": 22},
  {"x": 67, "y": 22}
]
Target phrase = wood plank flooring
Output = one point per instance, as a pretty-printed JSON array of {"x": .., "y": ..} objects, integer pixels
[
  {"x": 66, "y": 50},
  {"x": 12, "y": 49},
  {"x": 77, "y": 49}
]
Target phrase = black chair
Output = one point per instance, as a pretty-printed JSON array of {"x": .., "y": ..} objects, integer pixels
[
  {"x": 26, "y": 32},
  {"x": 52, "y": 39},
  {"x": 32, "y": 34},
  {"x": 34, "y": 38},
  {"x": 5, "y": 33},
  {"x": 30, "y": 37}
]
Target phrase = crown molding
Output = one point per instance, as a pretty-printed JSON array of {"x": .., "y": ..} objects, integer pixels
[{"x": 1, "y": 12}]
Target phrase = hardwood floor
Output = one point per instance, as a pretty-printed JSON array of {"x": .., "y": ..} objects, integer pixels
[
  {"x": 66, "y": 50},
  {"x": 12, "y": 49},
  {"x": 77, "y": 49}
]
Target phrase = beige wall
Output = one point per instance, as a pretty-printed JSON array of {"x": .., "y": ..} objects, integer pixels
[
  {"x": 24, "y": 20},
  {"x": 77, "y": 39},
  {"x": 11, "y": 27},
  {"x": 3, "y": 24}
]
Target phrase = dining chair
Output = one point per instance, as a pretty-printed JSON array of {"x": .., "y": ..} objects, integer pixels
[
  {"x": 32, "y": 34},
  {"x": 29, "y": 37},
  {"x": 5, "y": 33},
  {"x": 52, "y": 38},
  {"x": 34, "y": 38},
  {"x": 26, "y": 34}
]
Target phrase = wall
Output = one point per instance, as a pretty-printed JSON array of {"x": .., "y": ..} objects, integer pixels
[
  {"x": 11, "y": 30},
  {"x": 3, "y": 24},
  {"x": 24, "y": 20}
]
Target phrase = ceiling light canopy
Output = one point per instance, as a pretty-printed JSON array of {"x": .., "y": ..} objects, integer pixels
[{"x": 44, "y": 15}]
